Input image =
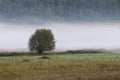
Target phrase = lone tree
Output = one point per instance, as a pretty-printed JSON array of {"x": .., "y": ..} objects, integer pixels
[{"x": 42, "y": 40}]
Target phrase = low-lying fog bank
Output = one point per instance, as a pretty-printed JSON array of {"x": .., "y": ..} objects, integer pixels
[{"x": 69, "y": 36}]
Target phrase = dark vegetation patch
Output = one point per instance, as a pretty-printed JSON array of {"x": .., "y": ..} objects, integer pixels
[
  {"x": 3, "y": 54},
  {"x": 85, "y": 51},
  {"x": 90, "y": 51},
  {"x": 45, "y": 57}
]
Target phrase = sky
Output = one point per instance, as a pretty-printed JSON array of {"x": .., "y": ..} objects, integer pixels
[{"x": 69, "y": 36}]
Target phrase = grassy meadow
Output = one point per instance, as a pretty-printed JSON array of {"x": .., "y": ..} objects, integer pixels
[{"x": 88, "y": 66}]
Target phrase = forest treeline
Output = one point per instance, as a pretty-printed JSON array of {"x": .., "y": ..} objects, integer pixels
[{"x": 61, "y": 9}]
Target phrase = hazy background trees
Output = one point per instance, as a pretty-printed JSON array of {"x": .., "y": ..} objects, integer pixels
[{"x": 61, "y": 9}]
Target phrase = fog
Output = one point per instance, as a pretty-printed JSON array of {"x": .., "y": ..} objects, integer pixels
[{"x": 68, "y": 35}]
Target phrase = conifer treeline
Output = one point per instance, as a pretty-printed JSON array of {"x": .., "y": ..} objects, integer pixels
[{"x": 61, "y": 9}]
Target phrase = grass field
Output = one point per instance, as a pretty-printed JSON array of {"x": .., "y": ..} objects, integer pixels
[{"x": 96, "y": 66}]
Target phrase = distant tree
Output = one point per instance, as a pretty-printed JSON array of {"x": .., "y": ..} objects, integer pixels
[{"x": 42, "y": 40}]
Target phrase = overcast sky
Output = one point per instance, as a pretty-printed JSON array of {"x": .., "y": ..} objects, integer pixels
[{"x": 67, "y": 35}]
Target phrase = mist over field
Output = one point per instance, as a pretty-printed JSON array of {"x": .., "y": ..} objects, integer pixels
[
  {"x": 68, "y": 35},
  {"x": 76, "y": 24}
]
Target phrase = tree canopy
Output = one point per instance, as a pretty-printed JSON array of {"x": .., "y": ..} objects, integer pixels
[{"x": 42, "y": 40}]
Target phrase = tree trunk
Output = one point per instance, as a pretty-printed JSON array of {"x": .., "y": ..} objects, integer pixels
[{"x": 40, "y": 51}]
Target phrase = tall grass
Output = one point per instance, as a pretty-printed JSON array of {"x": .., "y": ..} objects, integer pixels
[
  {"x": 53, "y": 70},
  {"x": 61, "y": 67}
]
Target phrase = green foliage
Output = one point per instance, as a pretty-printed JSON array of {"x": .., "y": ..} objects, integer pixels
[{"x": 42, "y": 40}]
